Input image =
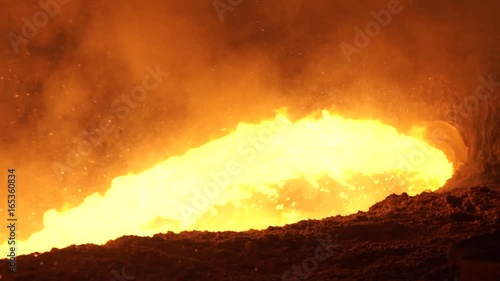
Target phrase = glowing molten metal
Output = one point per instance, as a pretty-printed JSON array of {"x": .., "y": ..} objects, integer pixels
[{"x": 273, "y": 173}]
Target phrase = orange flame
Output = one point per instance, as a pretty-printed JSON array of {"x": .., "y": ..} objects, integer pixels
[{"x": 272, "y": 173}]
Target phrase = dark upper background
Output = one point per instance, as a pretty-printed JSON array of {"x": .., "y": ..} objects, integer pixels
[{"x": 263, "y": 56}]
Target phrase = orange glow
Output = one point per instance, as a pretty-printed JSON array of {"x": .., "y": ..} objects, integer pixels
[{"x": 273, "y": 173}]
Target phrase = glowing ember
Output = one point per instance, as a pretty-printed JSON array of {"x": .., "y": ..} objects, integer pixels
[{"x": 273, "y": 173}]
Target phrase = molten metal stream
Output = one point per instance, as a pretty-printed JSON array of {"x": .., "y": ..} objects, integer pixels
[{"x": 273, "y": 173}]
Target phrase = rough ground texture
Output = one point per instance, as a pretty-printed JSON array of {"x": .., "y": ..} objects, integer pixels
[{"x": 431, "y": 236}]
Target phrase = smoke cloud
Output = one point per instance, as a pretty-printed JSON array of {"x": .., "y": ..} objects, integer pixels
[{"x": 62, "y": 84}]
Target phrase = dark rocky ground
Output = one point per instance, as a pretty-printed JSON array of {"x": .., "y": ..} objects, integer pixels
[
  {"x": 447, "y": 235},
  {"x": 432, "y": 236}
]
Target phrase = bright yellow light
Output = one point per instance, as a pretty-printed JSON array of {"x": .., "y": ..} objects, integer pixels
[{"x": 273, "y": 173}]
